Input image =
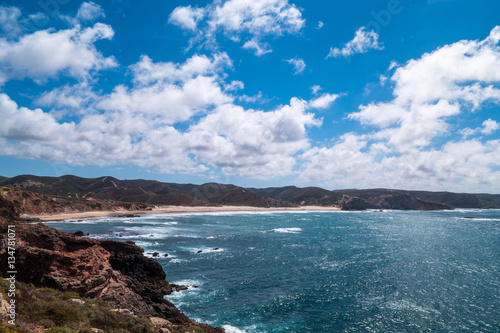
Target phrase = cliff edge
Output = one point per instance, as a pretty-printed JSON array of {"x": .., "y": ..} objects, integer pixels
[{"x": 115, "y": 272}]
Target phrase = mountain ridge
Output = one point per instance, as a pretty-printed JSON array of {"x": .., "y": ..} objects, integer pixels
[{"x": 152, "y": 192}]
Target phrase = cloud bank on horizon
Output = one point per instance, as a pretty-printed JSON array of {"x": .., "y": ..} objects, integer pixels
[{"x": 428, "y": 121}]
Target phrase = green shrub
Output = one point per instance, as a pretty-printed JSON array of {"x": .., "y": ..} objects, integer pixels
[
  {"x": 53, "y": 310},
  {"x": 72, "y": 294}
]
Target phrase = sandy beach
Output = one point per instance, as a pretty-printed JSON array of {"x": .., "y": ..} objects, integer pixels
[{"x": 175, "y": 209}]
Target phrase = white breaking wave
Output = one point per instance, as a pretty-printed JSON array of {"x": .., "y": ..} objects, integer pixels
[
  {"x": 288, "y": 230},
  {"x": 232, "y": 329},
  {"x": 176, "y": 260}
]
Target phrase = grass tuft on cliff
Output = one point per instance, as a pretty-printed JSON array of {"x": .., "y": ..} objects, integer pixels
[{"x": 52, "y": 311}]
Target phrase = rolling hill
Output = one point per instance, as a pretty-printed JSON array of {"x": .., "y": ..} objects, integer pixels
[{"x": 112, "y": 190}]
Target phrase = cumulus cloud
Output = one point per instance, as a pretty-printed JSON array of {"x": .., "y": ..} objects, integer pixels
[
  {"x": 184, "y": 117},
  {"x": 234, "y": 86},
  {"x": 252, "y": 143},
  {"x": 186, "y": 17},
  {"x": 172, "y": 92},
  {"x": 258, "y": 19},
  {"x": 135, "y": 124},
  {"x": 9, "y": 23},
  {"x": 299, "y": 65},
  {"x": 315, "y": 89},
  {"x": 69, "y": 99},
  {"x": 362, "y": 42},
  {"x": 459, "y": 166},
  {"x": 89, "y": 11},
  {"x": 488, "y": 127},
  {"x": 46, "y": 53},
  {"x": 406, "y": 147},
  {"x": 324, "y": 101},
  {"x": 257, "y": 98},
  {"x": 259, "y": 47}
]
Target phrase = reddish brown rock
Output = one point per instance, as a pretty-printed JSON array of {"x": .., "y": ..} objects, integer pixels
[{"x": 112, "y": 271}]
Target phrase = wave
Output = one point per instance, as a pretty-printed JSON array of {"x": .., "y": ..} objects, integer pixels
[
  {"x": 72, "y": 222},
  {"x": 232, "y": 329},
  {"x": 480, "y": 219},
  {"x": 288, "y": 230},
  {"x": 401, "y": 305},
  {"x": 176, "y": 260}
]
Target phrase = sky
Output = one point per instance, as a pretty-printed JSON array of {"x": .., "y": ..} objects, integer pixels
[{"x": 258, "y": 93}]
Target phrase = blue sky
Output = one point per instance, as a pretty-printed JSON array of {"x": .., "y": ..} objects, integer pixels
[{"x": 360, "y": 94}]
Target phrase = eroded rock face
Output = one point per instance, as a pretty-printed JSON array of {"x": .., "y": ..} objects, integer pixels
[{"x": 113, "y": 271}]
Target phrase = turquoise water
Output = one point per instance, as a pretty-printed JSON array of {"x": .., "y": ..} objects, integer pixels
[{"x": 326, "y": 271}]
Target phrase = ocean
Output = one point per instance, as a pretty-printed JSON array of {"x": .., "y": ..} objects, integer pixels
[{"x": 391, "y": 271}]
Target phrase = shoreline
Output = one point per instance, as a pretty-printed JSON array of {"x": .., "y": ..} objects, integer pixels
[{"x": 174, "y": 210}]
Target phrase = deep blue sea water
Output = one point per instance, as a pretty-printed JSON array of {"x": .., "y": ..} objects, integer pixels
[{"x": 389, "y": 271}]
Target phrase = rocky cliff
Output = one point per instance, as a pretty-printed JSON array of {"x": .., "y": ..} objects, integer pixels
[
  {"x": 112, "y": 271},
  {"x": 31, "y": 203}
]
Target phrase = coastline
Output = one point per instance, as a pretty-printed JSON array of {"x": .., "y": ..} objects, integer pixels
[{"x": 174, "y": 210}]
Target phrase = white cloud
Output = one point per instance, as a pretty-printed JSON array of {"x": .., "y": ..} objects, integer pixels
[
  {"x": 320, "y": 25},
  {"x": 186, "y": 17},
  {"x": 299, "y": 65},
  {"x": 184, "y": 118},
  {"x": 171, "y": 91},
  {"x": 316, "y": 89},
  {"x": 146, "y": 72},
  {"x": 362, "y": 42},
  {"x": 257, "y": 98},
  {"x": 9, "y": 23},
  {"x": 136, "y": 125},
  {"x": 252, "y": 143},
  {"x": 490, "y": 126},
  {"x": 323, "y": 102},
  {"x": 459, "y": 166},
  {"x": 46, "y": 53},
  {"x": 434, "y": 88},
  {"x": 259, "y": 47},
  {"x": 258, "y": 19},
  {"x": 89, "y": 11},
  {"x": 25, "y": 124},
  {"x": 69, "y": 99},
  {"x": 406, "y": 148},
  {"x": 106, "y": 139},
  {"x": 234, "y": 86}
]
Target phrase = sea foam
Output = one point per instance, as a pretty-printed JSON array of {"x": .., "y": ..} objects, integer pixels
[
  {"x": 288, "y": 230},
  {"x": 232, "y": 329}
]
